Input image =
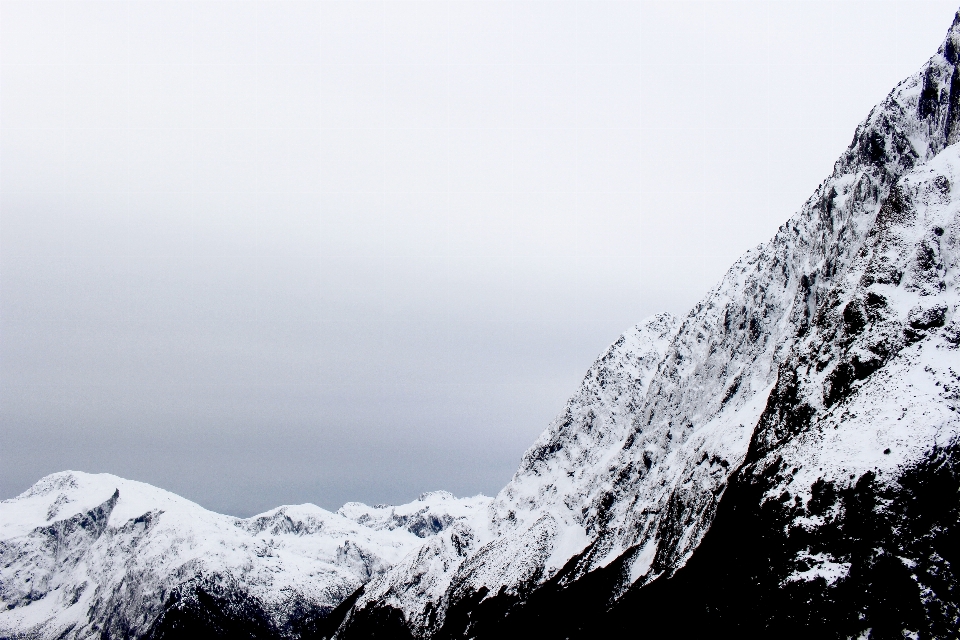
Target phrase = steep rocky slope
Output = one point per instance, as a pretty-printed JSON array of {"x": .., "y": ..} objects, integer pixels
[
  {"x": 86, "y": 555},
  {"x": 831, "y": 307},
  {"x": 844, "y": 519},
  {"x": 594, "y": 425}
]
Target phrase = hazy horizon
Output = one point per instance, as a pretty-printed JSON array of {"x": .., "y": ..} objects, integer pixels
[{"x": 263, "y": 253}]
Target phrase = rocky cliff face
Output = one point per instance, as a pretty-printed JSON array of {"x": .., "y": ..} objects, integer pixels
[
  {"x": 783, "y": 462},
  {"x": 842, "y": 520},
  {"x": 799, "y": 356}
]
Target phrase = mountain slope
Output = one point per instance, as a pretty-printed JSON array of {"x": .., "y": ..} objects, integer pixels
[
  {"x": 595, "y": 422},
  {"x": 844, "y": 520},
  {"x": 639, "y": 515}
]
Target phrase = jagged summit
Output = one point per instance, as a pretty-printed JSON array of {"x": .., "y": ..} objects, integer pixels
[{"x": 781, "y": 462}]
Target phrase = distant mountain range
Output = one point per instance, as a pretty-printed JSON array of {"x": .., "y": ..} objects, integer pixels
[{"x": 783, "y": 462}]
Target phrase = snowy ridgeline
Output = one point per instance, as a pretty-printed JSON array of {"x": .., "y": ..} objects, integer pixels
[
  {"x": 87, "y": 554},
  {"x": 780, "y": 436}
]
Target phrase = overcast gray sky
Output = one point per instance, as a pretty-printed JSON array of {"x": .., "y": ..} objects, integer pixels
[{"x": 276, "y": 252}]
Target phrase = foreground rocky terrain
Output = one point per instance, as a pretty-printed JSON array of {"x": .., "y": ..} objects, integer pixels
[{"x": 782, "y": 462}]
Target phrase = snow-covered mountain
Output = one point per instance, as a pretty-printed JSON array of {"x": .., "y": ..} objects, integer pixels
[
  {"x": 825, "y": 359},
  {"x": 782, "y": 462},
  {"x": 85, "y": 555}
]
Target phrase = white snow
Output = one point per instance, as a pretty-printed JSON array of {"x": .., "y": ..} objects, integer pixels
[{"x": 823, "y": 566}]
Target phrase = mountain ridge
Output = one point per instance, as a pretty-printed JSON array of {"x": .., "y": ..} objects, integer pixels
[{"x": 85, "y": 554}]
